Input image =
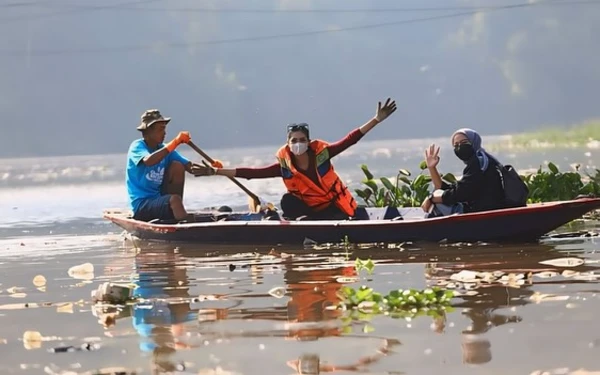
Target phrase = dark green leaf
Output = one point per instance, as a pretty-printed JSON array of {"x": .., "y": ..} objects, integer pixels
[
  {"x": 406, "y": 180},
  {"x": 372, "y": 184},
  {"x": 449, "y": 177},
  {"x": 366, "y": 171},
  {"x": 387, "y": 183}
]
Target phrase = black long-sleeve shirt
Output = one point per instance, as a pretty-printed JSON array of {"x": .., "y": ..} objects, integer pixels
[{"x": 478, "y": 190}]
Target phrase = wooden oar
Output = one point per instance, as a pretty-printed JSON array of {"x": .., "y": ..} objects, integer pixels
[{"x": 253, "y": 200}]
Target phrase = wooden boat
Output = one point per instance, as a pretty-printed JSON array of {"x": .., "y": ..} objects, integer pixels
[{"x": 370, "y": 225}]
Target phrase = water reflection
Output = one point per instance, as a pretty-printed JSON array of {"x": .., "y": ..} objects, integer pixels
[
  {"x": 170, "y": 320},
  {"x": 499, "y": 290},
  {"x": 312, "y": 290}
]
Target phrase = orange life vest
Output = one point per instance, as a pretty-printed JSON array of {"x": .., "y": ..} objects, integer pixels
[{"x": 332, "y": 188}]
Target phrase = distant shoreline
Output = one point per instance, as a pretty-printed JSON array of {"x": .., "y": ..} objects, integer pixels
[{"x": 582, "y": 135}]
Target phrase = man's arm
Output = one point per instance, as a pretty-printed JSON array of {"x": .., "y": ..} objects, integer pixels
[
  {"x": 158, "y": 155},
  {"x": 155, "y": 157}
]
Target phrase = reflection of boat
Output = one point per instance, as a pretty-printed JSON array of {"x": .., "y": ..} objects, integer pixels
[{"x": 513, "y": 224}]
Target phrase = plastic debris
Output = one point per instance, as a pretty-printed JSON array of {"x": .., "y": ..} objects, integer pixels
[
  {"x": 39, "y": 281},
  {"x": 32, "y": 340},
  {"x": 277, "y": 292},
  {"x": 563, "y": 262},
  {"x": 71, "y": 348},
  {"x": 112, "y": 293},
  {"x": 83, "y": 271}
]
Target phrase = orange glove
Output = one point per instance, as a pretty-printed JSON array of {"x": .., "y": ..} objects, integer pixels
[
  {"x": 217, "y": 163},
  {"x": 182, "y": 137}
]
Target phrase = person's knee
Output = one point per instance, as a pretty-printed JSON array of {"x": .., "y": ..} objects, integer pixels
[
  {"x": 175, "y": 200},
  {"x": 293, "y": 206},
  {"x": 176, "y": 170},
  {"x": 174, "y": 180},
  {"x": 288, "y": 199}
]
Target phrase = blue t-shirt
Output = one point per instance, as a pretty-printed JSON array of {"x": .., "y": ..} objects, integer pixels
[{"x": 144, "y": 182}]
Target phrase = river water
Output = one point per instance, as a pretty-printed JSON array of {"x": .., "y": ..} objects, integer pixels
[{"x": 250, "y": 310}]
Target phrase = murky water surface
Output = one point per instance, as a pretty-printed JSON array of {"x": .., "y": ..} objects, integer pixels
[
  {"x": 253, "y": 311},
  {"x": 248, "y": 310}
]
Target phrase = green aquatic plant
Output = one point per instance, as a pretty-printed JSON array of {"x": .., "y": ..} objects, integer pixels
[
  {"x": 367, "y": 265},
  {"x": 544, "y": 186},
  {"x": 404, "y": 192},
  {"x": 552, "y": 184},
  {"x": 399, "y": 303}
]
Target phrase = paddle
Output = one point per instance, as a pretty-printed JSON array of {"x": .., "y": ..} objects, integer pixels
[{"x": 253, "y": 200}]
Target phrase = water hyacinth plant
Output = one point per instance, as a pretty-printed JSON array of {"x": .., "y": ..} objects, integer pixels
[
  {"x": 544, "y": 186},
  {"x": 404, "y": 192},
  {"x": 553, "y": 185},
  {"x": 400, "y": 303}
]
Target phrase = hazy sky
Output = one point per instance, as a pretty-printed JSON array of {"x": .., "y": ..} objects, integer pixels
[{"x": 76, "y": 75}]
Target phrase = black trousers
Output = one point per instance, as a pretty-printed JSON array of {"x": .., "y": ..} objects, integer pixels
[{"x": 293, "y": 208}]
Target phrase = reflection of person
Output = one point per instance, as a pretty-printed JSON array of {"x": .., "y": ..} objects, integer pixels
[
  {"x": 476, "y": 350},
  {"x": 160, "y": 322},
  {"x": 480, "y": 308},
  {"x": 311, "y": 292}
]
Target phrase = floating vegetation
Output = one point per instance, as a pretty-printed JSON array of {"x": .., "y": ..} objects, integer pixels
[
  {"x": 399, "y": 303},
  {"x": 367, "y": 265},
  {"x": 544, "y": 186},
  {"x": 404, "y": 192}
]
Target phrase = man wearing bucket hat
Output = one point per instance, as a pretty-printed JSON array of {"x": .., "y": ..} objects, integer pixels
[{"x": 155, "y": 172}]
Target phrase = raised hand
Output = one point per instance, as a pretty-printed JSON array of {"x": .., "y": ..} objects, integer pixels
[
  {"x": 432, "y": 157},
  {"x": 182, "y": 137},
  {"x": 383, "y": 112}
]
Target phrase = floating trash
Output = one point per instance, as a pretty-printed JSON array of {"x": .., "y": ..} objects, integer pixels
[
  {"x": 39, "y": 281},
  {"x": 546, "y": 274},
  {"x": 83, "y": 271},
  {"x": 32, "y": 340},
  {"x": 277, "y": 292},
  {"x": 563, "y": 262},
  {"x": 112, "y": 293}
]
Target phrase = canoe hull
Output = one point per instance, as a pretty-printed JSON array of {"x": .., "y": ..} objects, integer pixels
[{"x": 524, "y": 224}]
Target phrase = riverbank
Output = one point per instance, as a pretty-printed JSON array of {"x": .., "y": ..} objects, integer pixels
[{"x": 584, "y": 135}]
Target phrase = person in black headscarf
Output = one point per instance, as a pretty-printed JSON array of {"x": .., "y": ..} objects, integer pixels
[{"x": 479, "y": 189}]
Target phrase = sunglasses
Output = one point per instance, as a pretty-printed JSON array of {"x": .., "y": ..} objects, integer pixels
[{"x": 297, "y": 127}]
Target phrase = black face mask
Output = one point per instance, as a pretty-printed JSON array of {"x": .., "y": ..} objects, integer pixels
[{"x": 464, "y": 151}]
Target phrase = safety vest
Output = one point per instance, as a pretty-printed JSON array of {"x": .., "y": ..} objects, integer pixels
[{"x": 332, "y": 188}]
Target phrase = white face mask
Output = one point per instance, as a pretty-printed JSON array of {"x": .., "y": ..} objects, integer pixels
[{"x": 299, "y": 148}]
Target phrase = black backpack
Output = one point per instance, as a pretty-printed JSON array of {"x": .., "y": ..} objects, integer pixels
[{"x": 515, "y": 190}]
